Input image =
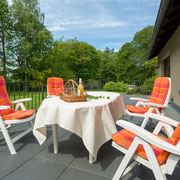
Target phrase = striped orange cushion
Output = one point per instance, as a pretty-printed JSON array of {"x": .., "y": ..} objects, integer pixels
[
  {"x": 174, "y": 139},
  {"x": 55, "y": 85},
  {"x": 4, "y": 99},
  {"x": 19, "y": 114},
  {"x": 124, "y": 138},
  {"x": 158, "y": 96},
  {"x": 136, "y": 109},
  {"x": 160, "y": 91}
]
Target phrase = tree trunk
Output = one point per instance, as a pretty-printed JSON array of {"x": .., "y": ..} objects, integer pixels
[{"x": 4, "y": 54}]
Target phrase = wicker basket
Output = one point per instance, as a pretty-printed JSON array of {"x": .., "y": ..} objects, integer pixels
[{"x": 70, "y": 93}]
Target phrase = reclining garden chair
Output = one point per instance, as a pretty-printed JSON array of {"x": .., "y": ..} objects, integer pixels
[
  {"x": 9, "y": 116},
  {"x": 149, "y": 149},
  {"x": 54, "y": 86},
  {"x": 158, "y": 101}
]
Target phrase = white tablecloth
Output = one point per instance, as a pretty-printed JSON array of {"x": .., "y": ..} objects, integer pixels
[{"x": 93, "y": 121}]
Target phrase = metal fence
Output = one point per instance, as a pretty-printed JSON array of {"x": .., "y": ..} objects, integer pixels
[{"x": 38, "y": 90}]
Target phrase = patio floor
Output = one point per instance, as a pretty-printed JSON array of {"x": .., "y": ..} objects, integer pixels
[{"x": 35, "y": 162}]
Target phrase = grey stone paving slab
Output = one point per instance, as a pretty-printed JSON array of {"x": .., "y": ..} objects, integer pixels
[
  {"x": 28, "y": 144},
  {"x": 107, "y": 161},
  {"x": 172, "y": 113},
  {"x": 37, "y": 169},
  {"x": 9, "y": 163},
  {"x": 72, "y": 174},
  {"x": 39, "y": 162},
  {"x": 69, "y": 147}
]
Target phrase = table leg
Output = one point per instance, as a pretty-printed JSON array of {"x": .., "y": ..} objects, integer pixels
[
  {"x": 91, "y": 159},
  {"x": 55, "y": 137}
]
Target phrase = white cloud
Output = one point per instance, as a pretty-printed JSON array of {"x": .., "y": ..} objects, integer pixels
[
  {"x": 110, "y": 24},
  {"x": 83, "y": 24},
  {"x": 114, "y": 44},
  {"x": 57, "y": 28}
]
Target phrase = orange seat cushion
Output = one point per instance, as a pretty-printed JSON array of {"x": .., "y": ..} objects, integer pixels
[
  {"x": 124, "y": 138},
  {"x": 19, "y": 115},
  {"x": 136, "y": 109},
  {"x": 55, "y": 85}
]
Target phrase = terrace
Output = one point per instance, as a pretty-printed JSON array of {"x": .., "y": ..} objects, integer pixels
[{"x": 39, "y": 162}]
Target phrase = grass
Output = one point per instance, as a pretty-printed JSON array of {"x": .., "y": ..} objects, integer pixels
[{"x": 36, "y": 98}]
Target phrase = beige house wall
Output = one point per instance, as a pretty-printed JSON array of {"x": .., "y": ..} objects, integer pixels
[{"x": 172, "y": 49}]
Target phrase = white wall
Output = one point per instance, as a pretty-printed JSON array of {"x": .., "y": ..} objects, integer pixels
[{"x": 172, "y": 49}]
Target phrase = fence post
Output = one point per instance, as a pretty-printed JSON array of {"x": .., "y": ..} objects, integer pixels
[
  {"x": 91, "y": 85},
  {"x": 98, "y": 87},
  {"x": 42, "y": 90}
]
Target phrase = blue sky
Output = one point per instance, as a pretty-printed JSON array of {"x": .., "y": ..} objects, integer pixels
[{"x": 101, "y": 23}]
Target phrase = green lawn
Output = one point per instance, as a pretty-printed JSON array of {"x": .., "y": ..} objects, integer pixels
[{"x": 36, "y": 98}]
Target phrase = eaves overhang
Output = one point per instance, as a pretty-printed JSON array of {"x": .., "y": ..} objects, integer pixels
[{"x": 167, "y": 21}]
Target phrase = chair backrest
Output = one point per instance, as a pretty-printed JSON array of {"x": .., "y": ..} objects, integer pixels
[
  {"x": 172, "y": 159},
  {"x": 4, "y": 98},
  {"x": 55, "y": 85},
  {"x": 161, "y": 91}
]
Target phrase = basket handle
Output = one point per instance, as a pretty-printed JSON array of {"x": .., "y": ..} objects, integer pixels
[{"x": 73, "y": 83}]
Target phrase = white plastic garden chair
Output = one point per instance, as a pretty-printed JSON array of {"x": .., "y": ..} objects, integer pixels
[
  {"x": 9, "y": 116},
  {"x": 157, "y": 103},
  {"x": 167, "y": 150}
]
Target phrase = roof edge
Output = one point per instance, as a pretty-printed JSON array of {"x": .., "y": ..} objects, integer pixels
[{"x": 161, "y": 13}]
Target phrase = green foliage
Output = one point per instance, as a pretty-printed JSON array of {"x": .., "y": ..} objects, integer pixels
[
  {"x": 32, "y": 40},
  {"x": 5, "y": 38},
  {"x": 125, "y": 63},
  {"x": 141, "y": 43},
  {"x": 148, "y": 85},
  {"x": 73, "y": 59},
  {"x": 110, "y": 86},
  {"x": 121, "y": 87},
  {"x": 34, "y": 55},
  {"x": 106, "y": 70},
  {"x": 130, "y": 64}
]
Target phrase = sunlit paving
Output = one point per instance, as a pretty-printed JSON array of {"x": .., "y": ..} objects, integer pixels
[{"x": 89, "y": 89}]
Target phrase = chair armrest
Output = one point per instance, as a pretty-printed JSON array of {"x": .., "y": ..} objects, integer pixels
[
  {"x": 139, "y": 99},
  {"x": 4, "y": 107},
  {"x": 153, "y": 104},
  {"x": 162, "y": 118},
  {"x": 149, "y": 137},
  {"x": 21, "y": 100}
]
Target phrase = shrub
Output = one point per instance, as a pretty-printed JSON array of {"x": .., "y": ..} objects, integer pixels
[
  {"x": 121, "y": 87},
  {"x": 148, "y": 85},
  {"x": 130, "y": 91},
  {"x": 110, "y": 86}
]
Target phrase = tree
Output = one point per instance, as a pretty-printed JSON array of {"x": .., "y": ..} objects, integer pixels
[
  {"x": 125, "y": 63},
  {"x": 5, "y": 33},
  {"x": 32, "y": 41},
  {"x": 131, "y": 59},
  {"x": 141, "y": 43},
  {"x": 72, "y": 58},
  {"x": 107, "y": 65}
]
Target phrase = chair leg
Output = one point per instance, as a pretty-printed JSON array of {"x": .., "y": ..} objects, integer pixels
[
  {"x": 31, "y": 124},
  {"x": 91, "y": 159},
  {"x": 121, "y": 169},
  {"x": 153, "y": 161},
  {"x": 7, "y": 137},
  {"x": 131, "y": 118}
]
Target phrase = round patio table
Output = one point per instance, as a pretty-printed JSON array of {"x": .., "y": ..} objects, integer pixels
[{"x": 93, "y": 120}]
